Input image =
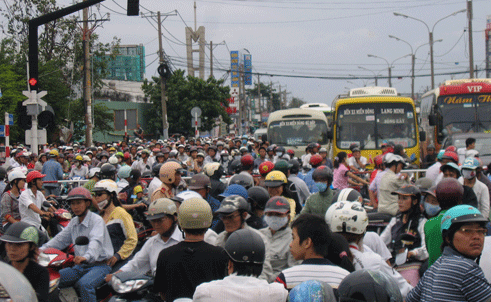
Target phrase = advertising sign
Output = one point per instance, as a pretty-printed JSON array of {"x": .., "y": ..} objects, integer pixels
[{"x": 234, "y": 68}]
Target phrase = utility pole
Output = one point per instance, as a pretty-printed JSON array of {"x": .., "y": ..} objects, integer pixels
[
  {"x": 87, "y": 80},
  {"x": 413, "y": 59},
  {"x": 270, "y": 104},
  {"x": 163, "y": 99},
  {"x": 280, "y": 96},
  {"x": 211, "y": 59},
  {"x": 259, "y": 94},
  {"x": 471, "y": 48}
]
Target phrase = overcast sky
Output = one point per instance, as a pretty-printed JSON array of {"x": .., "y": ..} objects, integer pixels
[{"x": 319, "y": 38}]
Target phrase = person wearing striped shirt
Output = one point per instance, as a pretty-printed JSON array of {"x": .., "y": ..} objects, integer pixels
[{"x": 310, "y": 243}]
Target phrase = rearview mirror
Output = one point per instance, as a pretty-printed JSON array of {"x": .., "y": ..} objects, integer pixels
[{"x": 422, "y": 136}]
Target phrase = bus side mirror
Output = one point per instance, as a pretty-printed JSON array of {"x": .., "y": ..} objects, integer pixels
[
  {"x": 439, "y": 138},
  {"x": 422, "y": 136},
  {"x": 432, "y": 119},
  {"x": 329, "y": 134},
  {"x": 264, "y": 137}
]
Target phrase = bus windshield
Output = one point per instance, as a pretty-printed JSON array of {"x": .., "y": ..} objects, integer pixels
[
  {"x": 465, "y": 113},
  {"x": 297, "y": 132},
  {"x": 371, "y": 124}
]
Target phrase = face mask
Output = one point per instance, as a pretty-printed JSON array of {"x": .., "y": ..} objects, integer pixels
[
  {"x": 279, "y": 154},
  {"x": 322, "y": 186},
  {"x": 103, "y": 204},
  {"x": 104, "y": 160},
  {"x": 468, "y": 174},
  {"x": 431, "y": 210},
  {"x": 78, "y": 164},
  {"x": 275, "y": 222}
]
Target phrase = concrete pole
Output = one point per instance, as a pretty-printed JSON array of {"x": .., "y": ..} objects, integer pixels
[
  {"x": 165, "y": 125},
  {"x": 471, "y": 47},
  {"x": 211, "y": 59},
  {"x": 87, "y": 83},
  {"x": 413, "y": 59},
  {"x": 432, "y": 63},
  {"x": 7, "y": 136},
  {"x": 390, "y": 76}
]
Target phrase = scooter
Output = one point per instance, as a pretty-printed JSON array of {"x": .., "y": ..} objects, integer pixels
[
  {"x": 131, "y": 286},
  {"x": 408, "y": 268},
  {"x": 61, "y": 216}
]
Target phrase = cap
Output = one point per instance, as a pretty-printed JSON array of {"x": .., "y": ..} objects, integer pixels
[
  {"x": 423, "y": 183},
  {"x": 431, "y": 191},
  {"x": 407, "y": 190},
  {"x": 277, "y": 204}
]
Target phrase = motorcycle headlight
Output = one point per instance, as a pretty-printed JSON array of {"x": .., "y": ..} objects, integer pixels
[
  {"x": 66, "y": 216},
  {"x": 45, "y": 259},
  {"x": 128, "y": 286}
]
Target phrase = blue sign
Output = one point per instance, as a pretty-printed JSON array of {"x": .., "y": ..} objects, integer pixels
[
  {"x": 11, "y": 119},
  {"x": 234, "y": 68},
  {"x": 2, "y": 130},
  {"x": 247, "y": 69}
]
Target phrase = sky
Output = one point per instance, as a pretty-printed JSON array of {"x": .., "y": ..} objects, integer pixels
[{"x": 301, "y": 45}]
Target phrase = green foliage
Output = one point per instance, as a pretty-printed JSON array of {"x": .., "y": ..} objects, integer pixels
[
  {"x": 11, "y": 85},
  {"x": 184, "y": 93},
  {"x": 295, "y": 103},
  {"x": 102, "y": 120}
]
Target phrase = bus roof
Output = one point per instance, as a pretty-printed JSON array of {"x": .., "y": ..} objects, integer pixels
[
  {"x": 466, "y": 86},
  {"x": 296, "y": 113},
  {"x": 316, "y": 106},
  {"x": 435, "y": 91},
  {"x": 372, "y": 91}
]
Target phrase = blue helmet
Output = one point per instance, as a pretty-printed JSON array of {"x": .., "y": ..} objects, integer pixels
[{"x": 461, "y": 213}]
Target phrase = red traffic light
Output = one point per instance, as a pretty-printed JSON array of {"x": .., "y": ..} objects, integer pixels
[{"x": 33, "y": 82}]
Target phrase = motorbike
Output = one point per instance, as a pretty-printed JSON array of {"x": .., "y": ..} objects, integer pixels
[
  {"x": 408, "y": 268},
  {"x": 61, "y": 217},
  {"x": 131, "y": 286}
]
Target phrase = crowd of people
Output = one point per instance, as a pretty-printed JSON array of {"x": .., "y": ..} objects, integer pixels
[{"x": 238, "y": 219}]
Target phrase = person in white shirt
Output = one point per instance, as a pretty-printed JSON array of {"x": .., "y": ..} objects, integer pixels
[
  {"x": 145, "y": 163},
  {"x": 246, "y": 252},
  {"x": 469, "y": 179},
  {"x": 162, "y": 214},
  {"x": 156, "y": 182},
  {"x": 351, "y": 220},
  {"x": 357, "y": 162},
  {"x": 433, "y": 171}
]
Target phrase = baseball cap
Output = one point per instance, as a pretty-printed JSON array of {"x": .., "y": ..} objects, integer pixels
[{"x": 277, "y": 204}]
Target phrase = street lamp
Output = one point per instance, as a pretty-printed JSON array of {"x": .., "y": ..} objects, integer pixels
[
  {"x": 375, "y": 75},
  {"x": 388, "y": 66},
  {"x": 430, "y": 33}
]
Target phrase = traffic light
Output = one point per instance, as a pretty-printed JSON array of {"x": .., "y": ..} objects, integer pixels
[
  {"x": 25, "y": 121},
  {"x": 133, "y": 8},
  {"x": 46, "y": 119}
]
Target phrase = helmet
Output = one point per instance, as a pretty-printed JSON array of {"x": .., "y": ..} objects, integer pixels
[
  {"x": 449, "y": 191},
  {"x": 79, "y": 157},
  {"x": 306, "y": 290},
  {"x": 14, "y": 286},
  {"x": 279, "y": 149},
  {"x": 266, "y": 167},
  {"x": 113, "y": 160},
  {"x": 470, "y": 163},
  {"x": 185, "y": 195},
  {"x": 107, "y": 171},
  {"x": 245, "y": 246},
  {"x": 21, "y": 232},
  {"x": 160, "y": 207},
  {"x": 459, "y": 214},
  {"x": 409, "y": 190},
  {"x": 439, "y": 156},
  {"x": 156, "y": 169},
  {"x": 451, "y": 149},
  {"x": 290, "y": 152},
  {"x": 199, "y": 181},
  {"x": 247, "y": 160},
  {"x": 322, "y": 173},
  {"x": 107, "y": 185},
  {"x": 118, "y": 154},
  {"x": 259, "y": 196},
  {"x": 450, "y": 166},
  {"x": 368, "y": 285},
  {"x": 235, "y": 190},
  {"x": 168, "y": 172},
  {"x": 315, "y": 160},
  {"x": 16, "y": 174},
  {"x": 124, "y": 172},
  {"x": 453, "y": 156},
  {"x": 53, "y": 153},
  {"x": 379, "y": 160},
  {"x": 104, "y": 153},
  {"x": 348, "y": 217},
  {"x": 86, "y": 158},
  {"x": 195, "y": 213},
  {"x": 233, "y": 203},
  {"x": 79, "y": 193},
  {"x": 236, "y": 165},
  {"x": 391, "y": 158},
  {"x": 275, "y": 179},
  {"x": 295, "y": 166},
  {"x": 283, "y": 166},
  {"x": 146, "y": 151},
  {"x": 34, "y": 175},
  {"x": 94, "y": 172},
  {"x": 214, "y": 170},
  {"x": 348, "y": 194},
  {"x": 242, "y": 179},
  {"x": 137, "y": 189},
  {"x": 127, "y": 155}
]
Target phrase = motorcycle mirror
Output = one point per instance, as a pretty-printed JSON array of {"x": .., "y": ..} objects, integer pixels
[
  {"x": 401, "y": 257},
  {"x": 82, "y": 240},
  {"x": 46, "y": 204}
]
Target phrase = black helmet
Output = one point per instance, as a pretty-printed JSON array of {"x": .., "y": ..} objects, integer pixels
[
  {"x": 279, "y": 149},
  {"x": 21, "y": 232},
  {"x": 156, "y": 170},
  {"x": 107, "y": 171},
  {"x": 245, "y": 246},
  {"x": 368, "y": 285},
  {"x": 347, "y": 194},
  {"x": 295, "y": 166},
  {"x": 259, "y": 196},
  {"x": 236, "y": 165},
  {"x": 322, "y": 173},
  {"x": 241, "y": 179}
]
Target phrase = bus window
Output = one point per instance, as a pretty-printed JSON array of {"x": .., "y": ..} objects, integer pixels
[{"x": 297, "y": 132}]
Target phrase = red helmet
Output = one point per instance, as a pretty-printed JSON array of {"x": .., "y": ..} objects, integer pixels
[
  {"x": 127, "y": 155},
  {"x": 79, "y": 193},
  {"x": 451, "y": 148},
  {"x": 315, "y": 160},
  {"x": 379, "y": 160},
  {"x": 34, "y": 175},
  {"x": 266, "y": 167},
  {"x": 451, "y": 155},
  {"x": 290, "y": 152},
  {"x": 247, "y": 160}
]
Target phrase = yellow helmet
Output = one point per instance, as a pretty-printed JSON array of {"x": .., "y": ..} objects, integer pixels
[
  {"x": 79, "y": 157},
  {"x": 195, "y": 213},
  {"x": 137, "y": 189},
  {"x": 54, "y": 152},
  {"x": 275, "y": 179}
]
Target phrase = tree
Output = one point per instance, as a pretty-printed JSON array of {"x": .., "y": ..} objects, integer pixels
[
  {"x": 11, "y": 85},
  {"x": 102, "y": 118},
  {"x": 184, "y": 93},
  {"x": 295, "y": 103}
]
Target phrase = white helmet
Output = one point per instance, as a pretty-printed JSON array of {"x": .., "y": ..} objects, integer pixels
[
  {"x": 347, "y": 217},
  {"x": 16, "y": 174},
  {"x": 107, "y": 185},
  {"x": 113, "y": 160},
  {"x": 86, "y": 158},
  {"x": 188, "y": 194},
  {"x": 93, "y": 171}
]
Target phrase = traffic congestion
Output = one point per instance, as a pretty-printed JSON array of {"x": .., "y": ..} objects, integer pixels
[{"x": 241, "y": 218}]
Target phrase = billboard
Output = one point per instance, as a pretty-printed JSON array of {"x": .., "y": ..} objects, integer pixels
[
  {"x": 247, "y": 69},
  {"x": 234, "y": 68}
]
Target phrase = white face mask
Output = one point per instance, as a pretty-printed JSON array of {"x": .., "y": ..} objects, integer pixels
[
  {"x": 102, "y": 204},
  {"x": 275, "y": 222},
  {"x": 468, "y": 174}
]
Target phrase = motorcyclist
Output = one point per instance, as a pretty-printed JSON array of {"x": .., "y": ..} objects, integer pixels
[
  {"x": 10, "y": 198},
  {"x": 369, "y": 285},
  {"x": 170, "y": 175}
]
